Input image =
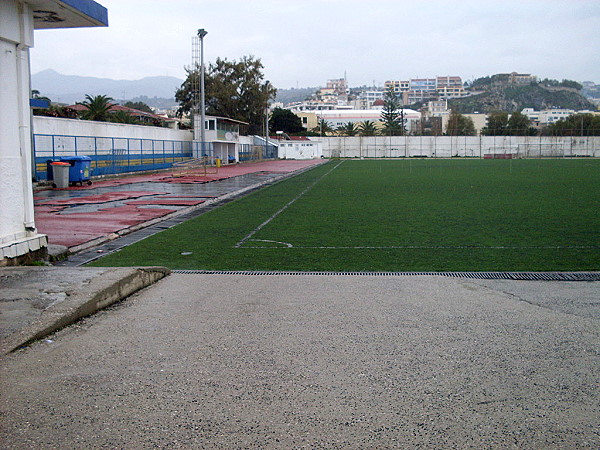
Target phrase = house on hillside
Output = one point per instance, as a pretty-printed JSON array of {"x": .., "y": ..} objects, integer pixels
[{"x": 141, "y": 116}]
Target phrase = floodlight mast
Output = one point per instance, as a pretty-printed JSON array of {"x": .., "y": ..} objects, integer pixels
[{"x": 201, "y": 33}]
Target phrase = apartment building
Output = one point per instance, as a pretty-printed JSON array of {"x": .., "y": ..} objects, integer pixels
[
  {"x": 437, "y": 107},
  {"x": 422, "y": 89},
  {"x": 366, "y": 99},
  {"x": 450, "y": 87},
  {"x": 339, "y": 86},
  {"x": 398, "y": 86}
]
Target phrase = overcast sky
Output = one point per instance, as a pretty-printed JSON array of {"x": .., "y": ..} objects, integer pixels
[{"x": 305, "y": 42}]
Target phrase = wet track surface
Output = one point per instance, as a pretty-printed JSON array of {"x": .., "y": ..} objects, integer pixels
[{"x": 76, "y": 216}]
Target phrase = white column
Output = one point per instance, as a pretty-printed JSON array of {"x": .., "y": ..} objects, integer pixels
[
  {"x": 24, "y": 92},
  {"x": 17, "y": 228}
]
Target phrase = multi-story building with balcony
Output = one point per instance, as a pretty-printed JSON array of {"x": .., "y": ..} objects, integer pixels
[
  {"x": 398, "y": 86},
  {"x": 423, "y": 89},
  {"x": 450, "y": 87}
]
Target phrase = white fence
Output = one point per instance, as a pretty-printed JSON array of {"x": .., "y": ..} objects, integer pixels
[{"x": 460, "y": 146}]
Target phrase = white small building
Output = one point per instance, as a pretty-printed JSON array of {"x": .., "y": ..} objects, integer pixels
[
  {"x": 19, "y": 239},
  {"x": 223, "y": 138},
  {"x": 298, "y": 147},
  {"x": 549, "y": 116}
]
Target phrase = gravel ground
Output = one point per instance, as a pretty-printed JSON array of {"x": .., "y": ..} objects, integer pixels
[{"x": 231, "y": 361}]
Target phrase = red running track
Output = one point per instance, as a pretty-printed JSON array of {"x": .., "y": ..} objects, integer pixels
[
  {"x": 53, "y": 216},
  {"x": 77, "y": 228}
]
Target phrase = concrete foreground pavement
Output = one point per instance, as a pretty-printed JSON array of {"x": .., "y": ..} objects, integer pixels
[
  {"x": 36, "y": 301},
  {"x": 332, "y": 361}
]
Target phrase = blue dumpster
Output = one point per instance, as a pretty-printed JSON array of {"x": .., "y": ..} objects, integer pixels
[{"x": 80, "y": 169}]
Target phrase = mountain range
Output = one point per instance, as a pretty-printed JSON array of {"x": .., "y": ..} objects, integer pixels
[{"x": 73, "y": 88}]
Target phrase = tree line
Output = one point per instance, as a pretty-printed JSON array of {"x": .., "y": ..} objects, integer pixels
[
  {"x": 97, "y": 108},
  {"x": 498, "y": 124}
]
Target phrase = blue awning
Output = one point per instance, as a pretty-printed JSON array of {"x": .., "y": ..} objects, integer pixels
[{"x": 68, "y": 14}]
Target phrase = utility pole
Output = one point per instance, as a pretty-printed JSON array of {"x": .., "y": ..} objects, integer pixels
[
  {"x": 266, "y": 119},
  {"x": 201, "y": 33}
]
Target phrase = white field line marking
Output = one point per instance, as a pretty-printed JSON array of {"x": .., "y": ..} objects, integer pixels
[
  {"x": 286, "y": 206},
  {"x": 287, "y": 244},
  {"x": 451, "y": 247}
]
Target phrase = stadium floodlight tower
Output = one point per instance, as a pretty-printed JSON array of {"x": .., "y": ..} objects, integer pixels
[{"x": 199, "y": 106}]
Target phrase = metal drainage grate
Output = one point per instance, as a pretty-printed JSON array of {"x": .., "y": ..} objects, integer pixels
[{"x": 532, "y": 276}]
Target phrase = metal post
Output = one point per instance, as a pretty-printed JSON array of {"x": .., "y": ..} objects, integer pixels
[
  {"x": 201, "y": 33},
  {"x": 265, "y": 154},
  {"x": 128, "y": 155}
]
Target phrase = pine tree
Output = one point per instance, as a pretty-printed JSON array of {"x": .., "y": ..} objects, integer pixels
[{"x": 392, "y": 115}]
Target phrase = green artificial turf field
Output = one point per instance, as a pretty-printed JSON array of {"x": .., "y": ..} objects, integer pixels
[{"x": 397, "y": 215}]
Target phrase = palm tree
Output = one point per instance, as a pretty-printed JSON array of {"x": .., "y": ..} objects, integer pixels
[
  {"x": 350, "y": 129},
  {"x": 123, "y": 117},
  {"x": 367, "y": 128},
  {"x": 36, "y": 94},
  {"x": 322, "y": 127},
  {"x": 97, "y": 108}
]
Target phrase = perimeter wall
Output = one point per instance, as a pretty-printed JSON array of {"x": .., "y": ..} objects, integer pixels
[
  {"x": 459, "y": 146},
  {"x": 112, "y": 147}
]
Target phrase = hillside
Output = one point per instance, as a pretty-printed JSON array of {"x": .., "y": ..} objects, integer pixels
[
  {"x": 286, "y": 96},
  {"x": 73, "y": 88},
  {"x": 515, "y": 98}
]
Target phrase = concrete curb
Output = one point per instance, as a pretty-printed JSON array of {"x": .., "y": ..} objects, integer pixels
[{"x": 111, "y": 287}]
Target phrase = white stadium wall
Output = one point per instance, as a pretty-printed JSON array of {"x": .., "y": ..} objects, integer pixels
[
  {"x": 73, "y": 127},
  {"x": 459, "y": 146}
]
